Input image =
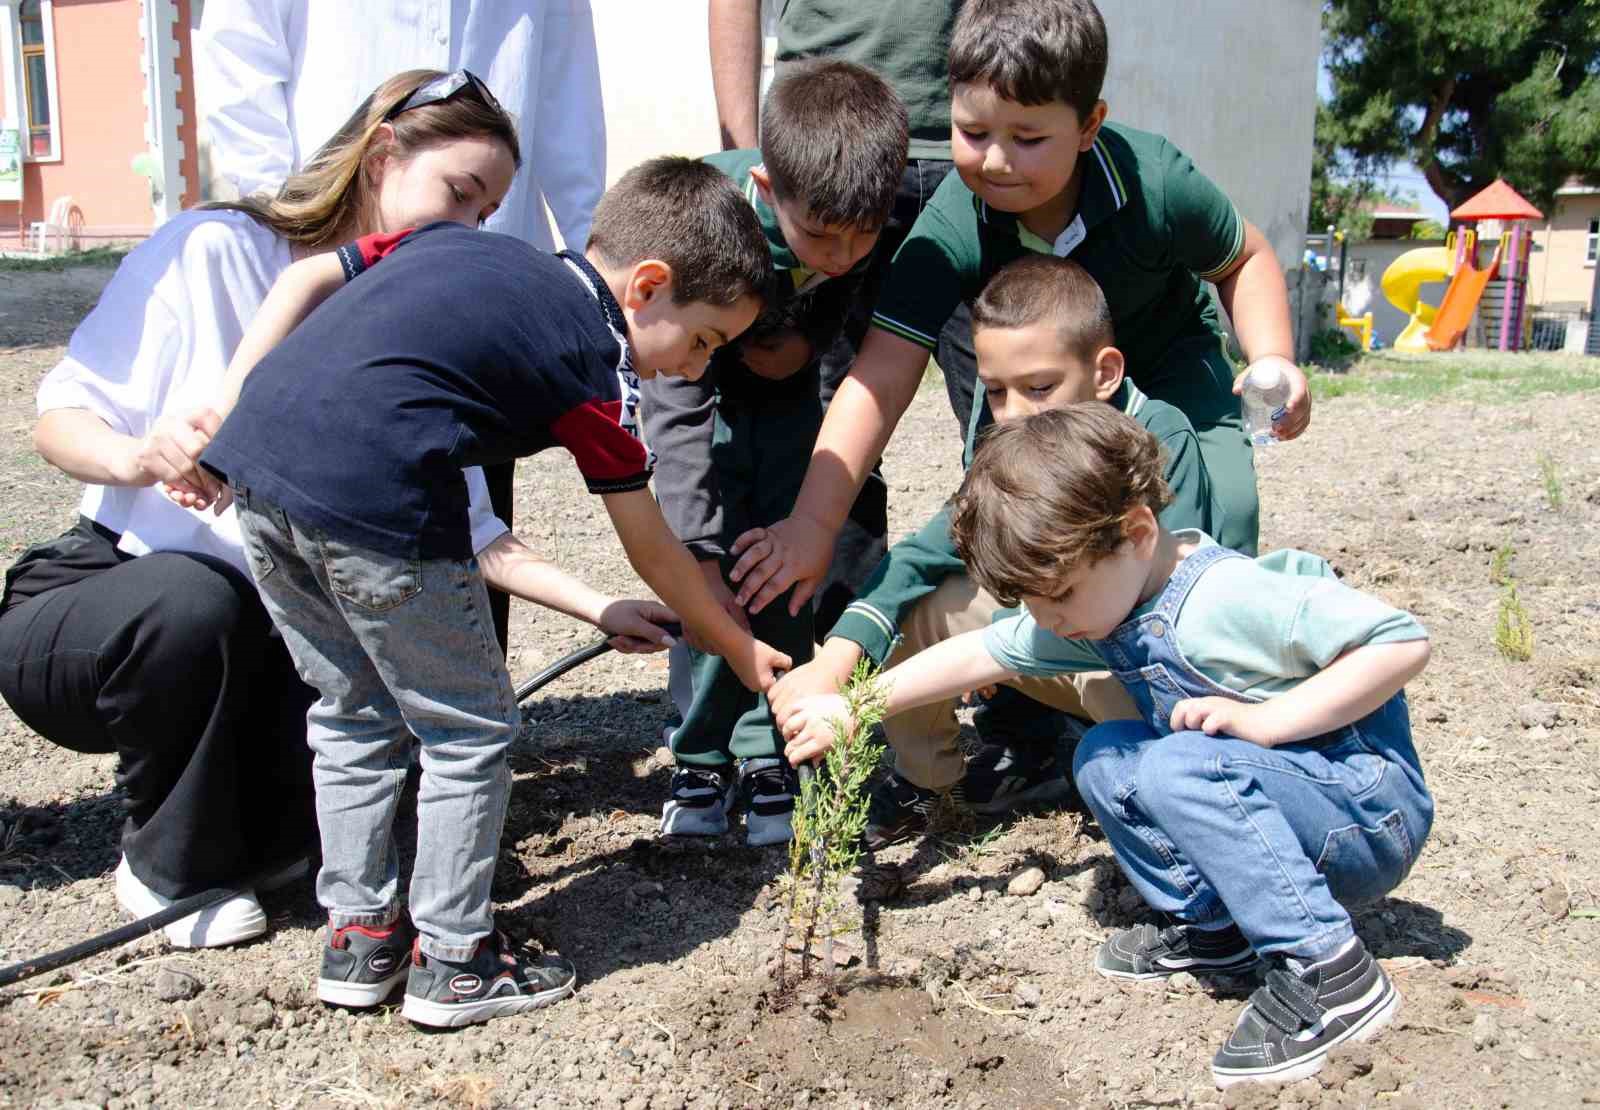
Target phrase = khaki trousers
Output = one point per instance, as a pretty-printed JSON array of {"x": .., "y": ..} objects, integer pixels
[{"x": 924, "y": 740}]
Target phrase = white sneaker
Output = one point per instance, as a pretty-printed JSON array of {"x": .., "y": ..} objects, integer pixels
[{"x": 228, "y": 922}]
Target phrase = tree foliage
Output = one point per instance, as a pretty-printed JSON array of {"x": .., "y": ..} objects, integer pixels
[{"x": 1466, "y": 90}]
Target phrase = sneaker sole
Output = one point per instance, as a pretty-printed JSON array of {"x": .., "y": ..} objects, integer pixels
[
  {"x": 1291, "y": 1071},
  {"x": 452, "y": 1015},
  {"x": 1193, "y": 967},
  {"x": 1056, "y": 789},
  {"x": 360, "y": 996}
]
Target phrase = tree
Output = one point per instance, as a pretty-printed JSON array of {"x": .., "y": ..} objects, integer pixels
[{"x": 1466, "y": 90}]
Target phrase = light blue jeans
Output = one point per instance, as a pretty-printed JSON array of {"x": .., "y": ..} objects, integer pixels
[{"x": 398, "y": 648}]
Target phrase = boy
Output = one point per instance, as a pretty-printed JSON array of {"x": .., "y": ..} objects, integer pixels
[
  {"x": 1040, "y": 171},
  {"x": 345, "y": 452},
  {"x": 1043, "y": 337},
  {"x": 1272, "y": 774},
  {"x": 733, "y": 446}
]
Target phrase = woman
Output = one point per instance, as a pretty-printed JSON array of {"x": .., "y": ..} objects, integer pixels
[{"x": 139, "y": 631}]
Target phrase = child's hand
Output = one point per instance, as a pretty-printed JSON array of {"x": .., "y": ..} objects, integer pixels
[
  {"x": 636, "y": 627},
  {"x": 1297, "y": 410},
  {"x": 1215, "y": 715},
  {"x": 808, "y": 733},
  {"x": 759, "y": 665},
  {"x": 794, "y": 551},
  {"x": 829, "y": 668}
]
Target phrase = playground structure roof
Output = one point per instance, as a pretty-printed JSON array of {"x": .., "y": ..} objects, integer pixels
[{"x": 1497, "y": 202}]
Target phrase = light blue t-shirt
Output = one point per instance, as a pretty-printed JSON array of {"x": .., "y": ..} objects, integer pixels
[{"x": 1256, "y": 626}]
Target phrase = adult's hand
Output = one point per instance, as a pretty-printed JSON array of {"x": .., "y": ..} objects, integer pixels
[
  {"x": 794, "y": 552},
  {"x": 169, "y": 454}
]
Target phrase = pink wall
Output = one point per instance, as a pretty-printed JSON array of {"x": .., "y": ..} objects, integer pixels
[{"x": 101, "y": 119}]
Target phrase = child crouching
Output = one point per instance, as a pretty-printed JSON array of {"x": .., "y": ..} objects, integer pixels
[{"x": 1272, "y": 776}]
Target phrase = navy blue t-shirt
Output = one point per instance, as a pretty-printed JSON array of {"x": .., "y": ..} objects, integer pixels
[{"x": 463, "y": 348}]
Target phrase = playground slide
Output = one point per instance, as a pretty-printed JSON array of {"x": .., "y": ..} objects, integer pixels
[
  {"x": 1460, "y": 302},
  {"x": 1402, "y": 284}
]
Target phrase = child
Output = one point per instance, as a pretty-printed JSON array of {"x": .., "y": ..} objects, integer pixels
[
  {"x": 1043, "y": 337},
  {"x": 733, "y": 446},
  {"x": 1272, "y": 774},
  {"x": 345, "y": 453},
  {"x": 1039, "y": 170}
]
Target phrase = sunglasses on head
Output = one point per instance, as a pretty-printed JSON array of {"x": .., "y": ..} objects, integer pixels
[{"x": 443, "y": 88}]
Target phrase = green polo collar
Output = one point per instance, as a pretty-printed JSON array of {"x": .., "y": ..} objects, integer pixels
[
  {"x": 1103, "y": 196},
  {"x": 782, "y": 257}
]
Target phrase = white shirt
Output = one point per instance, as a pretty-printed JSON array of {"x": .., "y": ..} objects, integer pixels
[
  {"x": 278, "y": 77},
  {"x": 158, "y": 342}
]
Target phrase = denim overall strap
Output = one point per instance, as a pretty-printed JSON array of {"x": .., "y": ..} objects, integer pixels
[{"x": 1143, "y": 652}]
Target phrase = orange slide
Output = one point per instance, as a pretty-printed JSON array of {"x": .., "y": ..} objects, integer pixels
[{"x": 1454, "y": 315}]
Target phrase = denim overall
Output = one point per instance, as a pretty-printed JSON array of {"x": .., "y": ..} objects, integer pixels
[{"x": 1214, "y": 829}]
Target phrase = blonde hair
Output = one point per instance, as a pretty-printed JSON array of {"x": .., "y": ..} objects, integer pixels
[{"x": 325, "y": 202}]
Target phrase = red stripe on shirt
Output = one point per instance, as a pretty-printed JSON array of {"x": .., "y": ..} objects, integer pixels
[{"x": 603, "y": 449}]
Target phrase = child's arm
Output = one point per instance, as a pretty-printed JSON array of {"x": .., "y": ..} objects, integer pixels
[
  {"x": 669, "y": 569},
  {"x": 1255, "y": 298},
  {"x": 298, "y": 290},
  {"x": 859, "y": 421},
  {"x": 1343, "y": 692},
  {"x": 955, "y": 666},
  {"x": 635, "y": 626}
]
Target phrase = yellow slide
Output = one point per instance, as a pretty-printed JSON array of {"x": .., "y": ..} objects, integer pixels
[{"x": 1402, "y": 284}]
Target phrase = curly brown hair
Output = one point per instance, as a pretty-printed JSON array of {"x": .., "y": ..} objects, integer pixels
[{"x": 1050, "y": 492}]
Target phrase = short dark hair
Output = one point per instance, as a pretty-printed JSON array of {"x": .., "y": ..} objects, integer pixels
[
  {"x": 1050, "y": 492},
  {"x": 1032, "y": 51},
  {"x": 833, "y": 139},
  {"x": 690, "y": 216},
  {"x": 1044, "y": 289}
]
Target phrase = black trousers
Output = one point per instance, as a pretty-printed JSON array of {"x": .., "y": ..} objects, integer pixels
[{"x": 170, "y": 661}]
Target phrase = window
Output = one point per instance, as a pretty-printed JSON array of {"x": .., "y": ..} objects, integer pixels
[
  {"x": 36, "y": 79},
  {"x": 1593, "y": 240}
]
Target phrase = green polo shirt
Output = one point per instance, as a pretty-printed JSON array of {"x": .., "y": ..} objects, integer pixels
[
  {"x": 737, "y": 164},
  {"x": 906, "y": 42},
  {"x": 1150, "y": 228}
]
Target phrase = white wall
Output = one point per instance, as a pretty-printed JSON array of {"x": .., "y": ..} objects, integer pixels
[{"x": 1232, "y": 82}]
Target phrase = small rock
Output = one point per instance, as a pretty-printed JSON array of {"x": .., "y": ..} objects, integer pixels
[
  {"x": 1183, "y": 981},
  {"x": 176, "y": 986},
  {"x": 975, "y": 893},
  {"x": 646, "y": 889},
  {"x": 1528, "y": 1052},
  {"x": 1556, "y": 901},
  {"x": 1028, "y": 995},
  {"x": 1535, "y": 714},
  {"x": 258, "y": 1016},
  {"x": 1537, "y": 732},
  {"x": 663, "y": 757},
  {"x": 1026, "y": 882},
  {"x": 10, "y": 897},
  {"x": 1039, "y": 917},
  {"x": 1485, "y": 1031}
]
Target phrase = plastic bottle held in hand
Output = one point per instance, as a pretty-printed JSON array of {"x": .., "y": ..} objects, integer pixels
[{"x": 1265, "y": 399}]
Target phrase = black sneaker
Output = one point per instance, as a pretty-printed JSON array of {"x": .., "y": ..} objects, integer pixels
[
  {"x": 1148, "y": 952},
  {"x": 898, "y": 810},
  {"x": 767, "y": 788},
  {"x": 1302, "y": 1011},
  {"x": 497, "y": 981},
  {"x": 363, "y": 964},
  {"x": 701, "y": 797},
  {"x": 1002, "y": 777}
]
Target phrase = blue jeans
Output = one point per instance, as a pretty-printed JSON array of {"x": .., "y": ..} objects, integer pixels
[
  {"x": 398, "y": 648},
  {"x": 1214, "y": 830}
]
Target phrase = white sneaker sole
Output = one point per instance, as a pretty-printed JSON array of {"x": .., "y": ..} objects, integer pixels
[
  {"x": 229, "y": 922},
  {"x": 452, "y": 1015},
  {"x": 360, "y": 996},
  {"x": 1291, "y": 1071}
]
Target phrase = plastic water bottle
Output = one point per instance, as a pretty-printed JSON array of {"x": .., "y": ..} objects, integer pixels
[{"x": 1265, "y": 399}]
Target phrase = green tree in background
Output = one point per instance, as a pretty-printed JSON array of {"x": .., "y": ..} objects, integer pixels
[{"x": 1465, "y": 90}]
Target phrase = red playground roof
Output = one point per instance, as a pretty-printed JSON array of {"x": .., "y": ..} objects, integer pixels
[{"x": 1498, "y": 202}]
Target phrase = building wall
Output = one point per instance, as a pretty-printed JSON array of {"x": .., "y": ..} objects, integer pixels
[
  {"x": 102, "y": 118},
  {"x": 1245, "y": 115},
  {"x": 1558, "y": 273},
  {"x": 1370, "y": 257}
]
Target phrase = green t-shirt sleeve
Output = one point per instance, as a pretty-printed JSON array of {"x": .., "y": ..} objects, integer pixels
[
  {"x": 1192, "y": 504},
  {"x": 931, "y": 270},
  {"x": 1206, "y": 230},
  {"x": 1017, "y": 643}
]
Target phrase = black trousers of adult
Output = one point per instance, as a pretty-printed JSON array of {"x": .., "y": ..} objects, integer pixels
[
  {"x": 863, "y": 542},
  {"x": 170, "y": 661}
]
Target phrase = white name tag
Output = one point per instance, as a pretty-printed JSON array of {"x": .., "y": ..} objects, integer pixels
[{"x": 1068, "y": 240}]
